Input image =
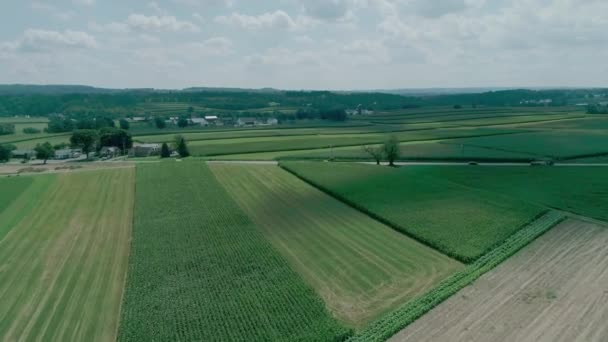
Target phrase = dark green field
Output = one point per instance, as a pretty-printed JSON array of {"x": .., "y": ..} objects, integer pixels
[
  {"x": 200, "y": 270},
  {"x": 460, "y": 221},
  {"x": 579, "y": 189}
]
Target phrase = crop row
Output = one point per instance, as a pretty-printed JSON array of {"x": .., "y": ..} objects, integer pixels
[
  {"x": 459, "y": 221},
  {"x": 400, "y": 318},
  {"x": 200, "y": 270}
]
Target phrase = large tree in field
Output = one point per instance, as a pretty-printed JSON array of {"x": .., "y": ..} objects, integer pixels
[
  {"x": 5, "y": 153},
  {"x": 85, "y": 139},
  {"x": 124, "y": 124},
  {"x": 391, "y": 150},
  {"x": 375, "y": 152},
  {"x": 182, "y": 122},
  {"x": 120, "y": 138},
  {"x": 160, "y": 122},
  {"x": 44, "y": 151},
  {"x": 164, "y": 151},
  {"x": 181, "y": 146}
]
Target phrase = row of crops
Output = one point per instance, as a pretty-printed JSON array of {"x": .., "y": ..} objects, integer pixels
[
  {"x": 199, "y": 270},
  {"x": 408, "y": 313},
  {"x": 459, "y": 221}
]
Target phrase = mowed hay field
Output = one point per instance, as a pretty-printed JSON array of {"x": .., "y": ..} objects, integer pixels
[
  {"x": 459, "y": 221},
  {"x": 359, "y": 266},
  {"x": 556, "y": 289},
  {"x": 200, "y": 270},
  {"x": 63, "y": 256}
]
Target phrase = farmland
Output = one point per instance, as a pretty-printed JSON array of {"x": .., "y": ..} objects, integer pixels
[
  {"x": 201, "y": 270},
  {"x": 360, "y": 267},
  {"x": 577, "y": 189},
  {"x": 65, "y": 256},
  {"x": 150, "y": 249},
  {"x": 561, "y": 144},
  {"x": 472, "y": 222},
  {"x": 553, "y": 290}
]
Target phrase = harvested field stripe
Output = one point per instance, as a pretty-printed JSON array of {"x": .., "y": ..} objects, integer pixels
[
  {"x": 553, "y": 290},
  {"x": 64, "y": 262},
  {"x": 360, "y": 267},
  {"x": 397, "y": 320}
]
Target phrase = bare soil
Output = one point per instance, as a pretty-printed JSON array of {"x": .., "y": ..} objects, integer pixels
[{"x": 556, "y": 289}]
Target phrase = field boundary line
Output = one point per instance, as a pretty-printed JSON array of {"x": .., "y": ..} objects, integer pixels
[
  {"x": 397, "y": 320},
  {"x": 401, "y": 230},
  {"x": 312, "y": 149},
  {"x": 367, "y": 212}
]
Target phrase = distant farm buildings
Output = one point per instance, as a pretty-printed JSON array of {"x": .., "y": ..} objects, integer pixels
[
  {"x": 145, "y": 150},
  {"x": 67, "y": 153},
  {"x": 253, "y": 122}
]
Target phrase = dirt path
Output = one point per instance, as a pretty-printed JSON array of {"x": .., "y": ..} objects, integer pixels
[{"x": 556, "y": 289}]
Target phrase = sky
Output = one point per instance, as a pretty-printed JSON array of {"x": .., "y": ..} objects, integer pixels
[{"x": 305, "y": 44}]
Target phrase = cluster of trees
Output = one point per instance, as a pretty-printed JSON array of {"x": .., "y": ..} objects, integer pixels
[
  {"x": 389, "y": 150},
  {"x": 332, "y": 114},
  {"x": 6, "y": 152},
  {"x": 62, "y": 124},
  {"x": 6, "y": 129},
  {"x": 181, "y": 147},
  {"x": 597, "y": 109},
  {"x": 90, "y": 140},
  {"x": 31, "y": 130}
]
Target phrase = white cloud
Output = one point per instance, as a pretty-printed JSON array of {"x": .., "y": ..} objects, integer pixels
[
  {"x": 328, "y": 9},
  {"x": 113, "y": 27},
  {"x": 205, "y": 3},
  {"x": 84, "y": 2},
  {"x": 216, "y": 46},
  {"x": 270, "y": 20},
  {"x": 33, "y": 40},
  {"x": 160, "y": 23},
  {"x": 53, "y": 11}
]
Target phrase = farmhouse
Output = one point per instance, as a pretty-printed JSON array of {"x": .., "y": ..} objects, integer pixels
[
  {"x": 145, "y": 150},
  {"x": 199, "y": 121},
  {"x": 247, "y": 122},
  {"x": 23, "y": 154},
  {"x": 269, "y": 122},
  {"x": 109, "y": 151},
  {"x": 67, "y": 153},
  {"x": 139, "y": 119}
]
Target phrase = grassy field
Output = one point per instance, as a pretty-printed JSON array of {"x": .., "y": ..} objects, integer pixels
[
  {"x": 271, "y": 144},
  {"x": 590, "y": 122},
  {"x": 578, "y": 189},
  {"x": 457, "y": 220},
  {"x": 359, "y": 266},
  {"x": 63, "y": 263},
  {"x": 419, "y": 151},
  {"x": 11, "y": 189},
  {"x": 558, "y": 144},
  {"x": 552, "y": 290},
  {"x": 200, "y": 270}
]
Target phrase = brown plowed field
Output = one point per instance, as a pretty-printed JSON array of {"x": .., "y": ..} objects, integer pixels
[{"x": 556, "y": 289}]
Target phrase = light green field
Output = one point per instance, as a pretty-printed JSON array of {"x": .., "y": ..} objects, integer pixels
[
  {"x": 63, "y": 262},
  {"x": 359, "y": 266},
  {"x": 23, "y": 120},
  {"x": 31, "y": 143},
  {"x": 459, "y": 221}
]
